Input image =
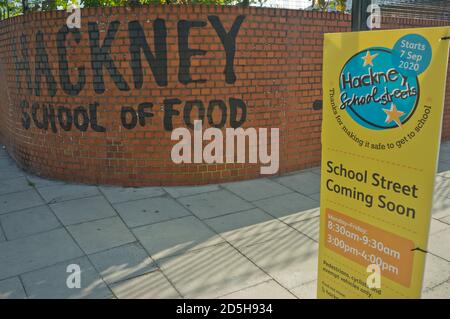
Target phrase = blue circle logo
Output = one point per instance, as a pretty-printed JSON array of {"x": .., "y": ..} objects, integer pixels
[
  {"x": 411, "y": 54},
  {"x": 375, "y": 94}
]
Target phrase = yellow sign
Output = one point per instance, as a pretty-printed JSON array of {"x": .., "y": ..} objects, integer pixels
[{"x": 383, "y": 97}]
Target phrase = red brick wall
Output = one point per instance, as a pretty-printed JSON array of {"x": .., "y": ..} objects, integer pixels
[{"x": 277, "y": 66}]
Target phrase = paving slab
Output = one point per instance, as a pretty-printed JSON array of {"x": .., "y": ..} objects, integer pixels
[
  {"x": 37, "y": 251},
  {"x": 444, "y": 157},
  {"x": 290, "y": 260},
  {"x": 306, "y": 183},
  {"x": 10, "y": 172},
  {"x": 445, "y": 146},
  {"x": 315, "y": 197},
  {"x": 213, "y": 204},
  {"x": 440, "y": 292},
  {"x": 83, "y": 210},
  {"x": 248, "y": 227},
  {"x": 5, "y": 160},
  {"x": 256, "y": 189},
  {"x": 441, "y": 207},
  {"x": 176, "y": 237},
  {"x": 309, "y": 227},
  {"x": 125, "y": 194},
  {"x": 12, "y": 289},
  {"x": 51, "y": 282},
  {"x": 121, "y": 263},
  {"x": 306, "y": 291},
  {"x": 182, "y": 191},
  {"x": 191, "y": 254},
  {"x": 20, "y": 200},
  {"x": 437, "y": 271},
  {"x": 61, "y": 193},
  {"x": 445, "y": 220},
  {"x": 14, "y": 185},
  {"x": 101, "y": 234},
  {"x": 444, "y": 169},
  {"x": 2, "y": 236},
  {"x": 436, "y": 226},
  {"x": 290, "y": 207},
  {"x": 38, "y": 182},
  {"x": 211, "y": 272},
  {"x": 151, "y": 210},
  {"x": 436, "y": 243},
  {"x": 149, "y": 286},
  {"x": 28, "y": 222},
  {"x": 266, "y": 290},
  {"x": 441, "y": 187}
]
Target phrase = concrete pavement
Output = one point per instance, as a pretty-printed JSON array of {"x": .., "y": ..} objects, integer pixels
[{"x": 251, "y": 239}]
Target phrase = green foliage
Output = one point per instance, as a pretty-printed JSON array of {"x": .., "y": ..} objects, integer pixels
[
  {"x": 113, "y": 3},
  {"x": 103, "y": 3},
  {"x": 325, "y": 5},
  {"x": 65, "y": 3},
  {"x": 10, "y": 8},
  {"x": 46, "y": 5},
  {"x": 152, "y": 1}
]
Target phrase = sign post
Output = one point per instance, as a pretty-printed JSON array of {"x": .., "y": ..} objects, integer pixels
[
  {"x": 383, "y": 99},
  {"x": 360, "y": 15}
]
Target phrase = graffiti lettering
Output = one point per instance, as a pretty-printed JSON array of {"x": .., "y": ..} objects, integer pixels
[
  {"x": 140, "y": 115},
  {"x": 229, "y": 44},
  {"x": 45, "y": 116},
  {"x": 237, "y": 108},
  {"x": 42, "y": 67},
  {"x": 66, "y": 84},
  {"x": 157, "y": 62},
  {"x": 101, "y": 59},
  {"x": 22, "y": 64}
]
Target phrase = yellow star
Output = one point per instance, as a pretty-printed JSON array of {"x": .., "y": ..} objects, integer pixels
[
  {"x": 394, "y": 115},
  {"x": 368, "y": 59}
]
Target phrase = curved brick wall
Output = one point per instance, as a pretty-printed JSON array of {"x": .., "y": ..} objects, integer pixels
[{"x": 79, "y": 108}]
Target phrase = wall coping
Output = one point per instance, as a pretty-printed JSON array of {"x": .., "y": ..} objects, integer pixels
[
  {"x": 202, "y": 8},
  {"x": 195, "y": 8}
]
